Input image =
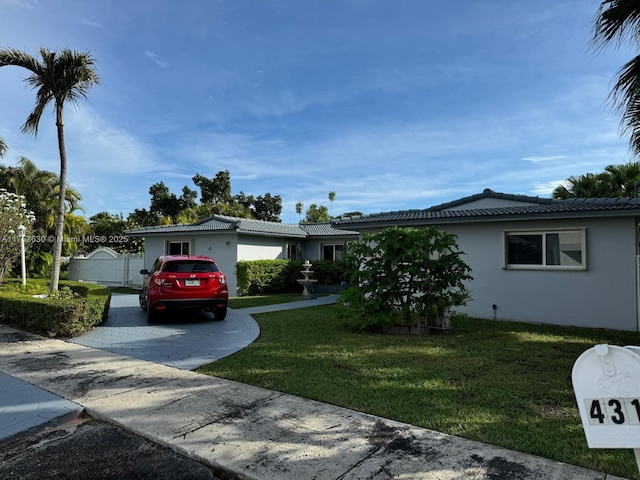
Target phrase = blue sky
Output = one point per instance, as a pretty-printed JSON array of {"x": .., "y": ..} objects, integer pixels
[{"x": 392, "y": 104}]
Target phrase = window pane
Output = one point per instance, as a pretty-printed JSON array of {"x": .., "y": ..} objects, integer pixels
[
  {"x": 177, "y": 248},
  {"x": 564, "y": 248},
  {"x": 190, "y": 266},
  {"x": 327, "y": 252},
  {"x": 524, "y": 249},
  {"x": 339, "y": 252}
]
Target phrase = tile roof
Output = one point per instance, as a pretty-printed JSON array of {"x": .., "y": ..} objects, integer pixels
[
  {"x": 325, "y": 230},
  {"x": 529, "y": 209},
  {"x": 246, "y": 226}
]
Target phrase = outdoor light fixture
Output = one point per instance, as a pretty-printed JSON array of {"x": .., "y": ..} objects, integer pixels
[{"x": 21, "y": 230}]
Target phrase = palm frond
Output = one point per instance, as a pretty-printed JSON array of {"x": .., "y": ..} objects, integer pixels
[
  {"x": 625, "y": 98},
  {"x": 12, "y": 56},
  {"x": 616, "y": 19}
]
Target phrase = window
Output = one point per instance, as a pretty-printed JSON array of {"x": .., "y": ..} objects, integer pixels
[
  {"x": 190, "y": 266},
  {"x": 176, "y": 248},
  {"x": 332, "y": 251},
  {"x": 562, "y": 249},
  {"x": 293, "y": 251}
]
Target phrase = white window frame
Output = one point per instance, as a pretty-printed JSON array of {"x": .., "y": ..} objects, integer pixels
[
  {"x": 333, "y": 245},
  {"x": 167, "y": 247},
  {"x": 543, "y": 232}
]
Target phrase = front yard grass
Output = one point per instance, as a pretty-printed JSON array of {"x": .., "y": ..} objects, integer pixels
[
  {"x": 262, "y": 300},
  {"x": 503, "y": 383}
]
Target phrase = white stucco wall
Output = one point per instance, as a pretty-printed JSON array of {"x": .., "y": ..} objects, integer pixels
[
  {"x": 311, "y": 249},
  {"x": 261, "y": 248},
  {"x": 602, "y": 296}
]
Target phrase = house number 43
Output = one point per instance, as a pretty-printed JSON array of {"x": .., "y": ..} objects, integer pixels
[{"x": 613, "y": 411}]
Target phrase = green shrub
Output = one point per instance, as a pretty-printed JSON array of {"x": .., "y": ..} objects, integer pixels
[
  {"x": 329, "y": 272},
  {"x": 256, "y": 277},
  {"x": 74, "y": 309},
  {"x": 261, "y": 276},
  {"x": 406, "y": 277}
]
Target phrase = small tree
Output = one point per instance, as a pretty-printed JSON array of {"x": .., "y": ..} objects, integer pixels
[
  {"x": 13, "y": 213},
  {"x": 404, "y": 276}
]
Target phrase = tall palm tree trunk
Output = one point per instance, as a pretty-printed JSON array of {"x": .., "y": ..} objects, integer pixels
[{"x": 58, "y": 239}]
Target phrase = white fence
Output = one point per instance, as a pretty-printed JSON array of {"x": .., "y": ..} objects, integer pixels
[{"x": 106, "y": 267}]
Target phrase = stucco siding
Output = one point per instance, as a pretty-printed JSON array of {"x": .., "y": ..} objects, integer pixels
[
  {"x": 311, "y": 250},
  {"x": 222, "y": 248},
  {"x": 602, "y": 296},
  {"x": 153, "y": 248},
  {"x": 260, "y": 248}
]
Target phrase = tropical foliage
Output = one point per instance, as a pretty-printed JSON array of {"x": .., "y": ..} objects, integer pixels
[
  {"x": 404, "y": 276},
  {"x": 316, "y": 214},
  {"x": 215, "y": 199},
  {"x": 614, "y": 181},
  {"x": 41, "y": 189},
  {"x": 59, "y": 77},
  {"x": 619, "y": 20},
  {"x": 14, "y": 215}
]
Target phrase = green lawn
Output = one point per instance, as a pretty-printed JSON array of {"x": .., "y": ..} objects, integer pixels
[
  {"x": 262, "y": 300},
  {"x": 504, "y": 383}
]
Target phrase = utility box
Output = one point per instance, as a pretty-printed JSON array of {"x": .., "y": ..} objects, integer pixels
[{"x": 606, "y": 382}]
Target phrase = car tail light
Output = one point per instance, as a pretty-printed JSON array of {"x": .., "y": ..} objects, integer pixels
[
  {"x": 161, "y": 282},
  {"x": 222, "y": 279}
]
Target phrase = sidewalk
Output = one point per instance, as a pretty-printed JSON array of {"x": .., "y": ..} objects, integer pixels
[{"x": 247, "y": 431}]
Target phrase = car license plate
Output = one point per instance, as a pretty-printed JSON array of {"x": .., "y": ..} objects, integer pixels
[{"x": 192, "y": 283}]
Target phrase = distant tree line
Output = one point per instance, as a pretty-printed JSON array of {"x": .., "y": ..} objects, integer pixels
[{"x": 215, "y": 199}]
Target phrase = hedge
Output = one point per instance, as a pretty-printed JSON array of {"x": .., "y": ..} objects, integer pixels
[
  {"x": 257, "y": 277},
  {"x": 64, "y": 317}
]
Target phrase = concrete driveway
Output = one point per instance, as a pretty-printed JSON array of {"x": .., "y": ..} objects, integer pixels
[{"x": 183, "y": 339}]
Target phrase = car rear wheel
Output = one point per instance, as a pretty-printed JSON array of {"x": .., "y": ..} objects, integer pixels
[
  {"x": 143, "y": 300},
  {"x": 220, "y": 313}
]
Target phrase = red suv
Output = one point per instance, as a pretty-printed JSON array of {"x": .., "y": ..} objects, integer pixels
[{"x": 189, "y": 281}]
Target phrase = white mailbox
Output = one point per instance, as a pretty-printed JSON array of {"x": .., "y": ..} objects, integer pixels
[{"x": 606, "y": 381}]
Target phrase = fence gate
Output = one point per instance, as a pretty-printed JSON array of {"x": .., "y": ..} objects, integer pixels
[{"x": 107, "y": 267}]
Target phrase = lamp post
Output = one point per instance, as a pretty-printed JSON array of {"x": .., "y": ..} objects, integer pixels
[{"x": 21, "y": 230}]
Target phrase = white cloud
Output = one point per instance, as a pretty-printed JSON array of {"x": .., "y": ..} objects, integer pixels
[
  {"x": 91, "y": 23},
  {"x": 156, "y": 59},
  {"x": 546, "y": 189},
  {"x": 551, "y": 158},
  {"x": 20, "y": 3}
]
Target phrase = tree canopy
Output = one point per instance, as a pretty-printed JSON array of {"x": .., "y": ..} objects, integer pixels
[
  {"x": 59, "y": 78},
  {"x": 215, "y": 199},
  {"x": 614, "y": 181},
  {"x": 619, "y": 20}
]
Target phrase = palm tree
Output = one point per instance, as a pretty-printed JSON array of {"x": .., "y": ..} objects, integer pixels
[
  {"x": 332, "y": 197},
  {"x": 61, "y": 77},
  {"x": 299, "y": 206},
  {"x": 623, "y": 178},
  {"x": 589, "y": 185},
  {"x": 3, "y": 148},
  {"x": 620, "y": 20}
]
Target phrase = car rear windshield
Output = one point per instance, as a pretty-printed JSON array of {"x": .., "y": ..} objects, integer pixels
[{"x": 190, "y": 266}]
